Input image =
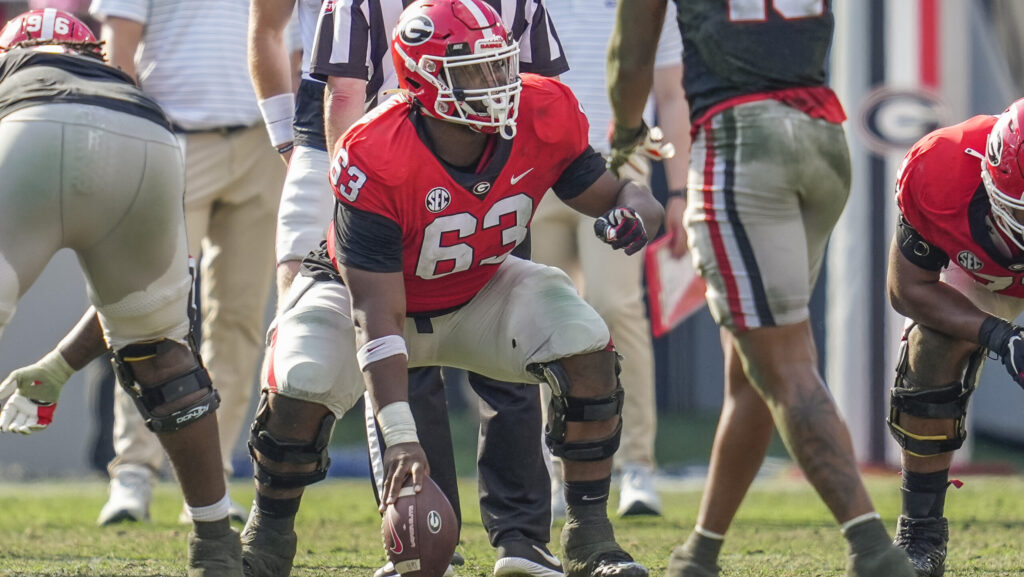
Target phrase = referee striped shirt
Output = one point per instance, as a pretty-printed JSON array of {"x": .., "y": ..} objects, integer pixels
[
  {"x": 353, "y": 40},
  {"x": 192, "y": 58}
]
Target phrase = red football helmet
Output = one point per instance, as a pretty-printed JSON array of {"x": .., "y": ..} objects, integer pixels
[
  {"x": 458, "y": 60},
  {"x": 48, "y": 27},
  {"x": 1002, "y": 171}
]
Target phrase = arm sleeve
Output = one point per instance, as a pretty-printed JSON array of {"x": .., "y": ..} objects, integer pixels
[
  {"x": 366, "y": 240},
  {"x": 580, "y": 174},
  {"x": 918, "y": 250},
  {"x": 135, "y": 10},
  {"x": 540, "y": 50},
  {"x": 342, "y": 40}
]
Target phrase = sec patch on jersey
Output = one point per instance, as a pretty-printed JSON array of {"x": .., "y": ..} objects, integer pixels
[{"x": 420, "y": 531}]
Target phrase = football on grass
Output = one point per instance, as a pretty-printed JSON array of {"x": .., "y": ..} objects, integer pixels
[{"x": 420, "y": 531}]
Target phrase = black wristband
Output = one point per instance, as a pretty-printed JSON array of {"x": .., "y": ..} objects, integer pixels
[
  {"x": 627, "y": 136},
  {"x": 677, "y": 192},
  {"x": 286, "y": 147},
  {"x": 994, "y": 334}
]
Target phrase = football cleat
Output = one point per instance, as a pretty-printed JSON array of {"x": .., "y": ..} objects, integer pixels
[
  {"x": 526, "y": 558},
  {"x": 215, "y": 556},
  {"x": 590, "y": 550},
  {"x": 636, "y": 493},
  {"x": 388, "y": 570},
  {"x": 268, "y": 546},
  {"x": 131, "y": 489},
  {"x": 924, "y": 540},
  {"x": 682, "y": 564}
]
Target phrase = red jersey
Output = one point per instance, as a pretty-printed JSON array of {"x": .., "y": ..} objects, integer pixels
[
  {"x": 940, "y": 194},
  {"x": 454, "y": 227}
]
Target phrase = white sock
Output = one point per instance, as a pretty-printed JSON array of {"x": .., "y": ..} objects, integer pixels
[
  {"x": 709, "y": 534},
  {"x": 215, "y": 512},
  {"x": 858, "y": 520}
]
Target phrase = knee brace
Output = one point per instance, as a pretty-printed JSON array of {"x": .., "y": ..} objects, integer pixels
[
  {"x": 151, "y": 397},
  {"x": 263, "y": 443},
  {"x": 946, "y": 402},
  {"x": 565, "y": 408}
]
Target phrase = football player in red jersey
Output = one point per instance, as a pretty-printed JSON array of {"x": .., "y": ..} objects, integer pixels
[
  {"x": 435, "y": 188},
  {"x": 956, "y": 271},
  {"x": 769, "y": 176},
  {"x": 90, "y": 164}
]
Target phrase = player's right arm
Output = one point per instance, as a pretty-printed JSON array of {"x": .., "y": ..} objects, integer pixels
[
  {"x": 122, "y": 37},
  {"x": 271, "y": 69},
  {"x": 917, "y": 291},
  {"x": 367, "y": 242}
]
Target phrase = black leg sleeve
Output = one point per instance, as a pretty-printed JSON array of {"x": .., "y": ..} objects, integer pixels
[{"x": 514, "y": 482}]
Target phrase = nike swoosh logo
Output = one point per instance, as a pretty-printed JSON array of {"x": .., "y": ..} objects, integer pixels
[
  {"x": 397, "y": 548},
  {"x": 516, "y": 179},
  {"x": 547, "y": 556},
  {"x": 597, "y": 498}
]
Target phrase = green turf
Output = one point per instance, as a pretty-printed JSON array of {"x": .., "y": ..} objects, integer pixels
[{"x": 47, "y": 529}]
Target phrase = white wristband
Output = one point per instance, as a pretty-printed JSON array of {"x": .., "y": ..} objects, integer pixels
[
  {"x": 382, "y": 348},
  {"x": 278, "y": 112},
  {"x": 396, "y": 424}
]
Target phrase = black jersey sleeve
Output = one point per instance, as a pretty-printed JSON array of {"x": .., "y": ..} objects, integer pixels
[
  {"x": 367, "y": 241},
  {"x": 917, "y": 250},
  {"x": 580, "y": 174}
]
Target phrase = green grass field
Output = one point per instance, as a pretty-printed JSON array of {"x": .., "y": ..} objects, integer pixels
[{"x": 783, "y": 530}]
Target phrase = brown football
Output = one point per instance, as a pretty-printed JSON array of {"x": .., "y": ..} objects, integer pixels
[{"x": 420, "y": 531}]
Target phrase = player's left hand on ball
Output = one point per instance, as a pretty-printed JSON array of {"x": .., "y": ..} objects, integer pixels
[
  {"x": 630, "y": 147},
  {"x": 621, "y": 227},
  {"x": 400, "y": 462},
  {"x": 36, "y": 389}
]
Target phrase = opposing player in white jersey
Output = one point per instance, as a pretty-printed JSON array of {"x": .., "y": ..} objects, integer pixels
[{"x": 516, "y": 513}]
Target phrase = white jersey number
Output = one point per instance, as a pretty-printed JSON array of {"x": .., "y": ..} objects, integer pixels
[
  {"x": 349, "y": 190},
  {"x": 757, "y": 10},
  {"x": 518, "y": 208}
]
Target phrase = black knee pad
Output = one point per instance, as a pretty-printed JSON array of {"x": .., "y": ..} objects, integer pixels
[
  {"x": 565, "y": 408},
  {"x": 262, "y": 443},
  {"x": 151, "y": 397},
  {"x": 946, "y": 402}
]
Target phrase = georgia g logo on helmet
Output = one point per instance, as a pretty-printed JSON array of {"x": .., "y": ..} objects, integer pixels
[{"x": 416, "y": 29}]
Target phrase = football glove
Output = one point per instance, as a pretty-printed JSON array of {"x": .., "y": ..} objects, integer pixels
[
  {"x": 1007, "y": 341},
  {"x": 621, "y": 227},
  {"x": 630, "y": 150},
  {"x": 36, "y": 389}
]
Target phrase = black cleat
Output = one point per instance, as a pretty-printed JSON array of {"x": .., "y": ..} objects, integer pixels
[
  {"x": 682, "y": 563},
  {"x": 268, "y": 546},
  {"x": 924, "y": 540},
  {"x": 526, "y": 558},
  {"x": 214, "y": 556},
  {"x": 590, "y": 550}
]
